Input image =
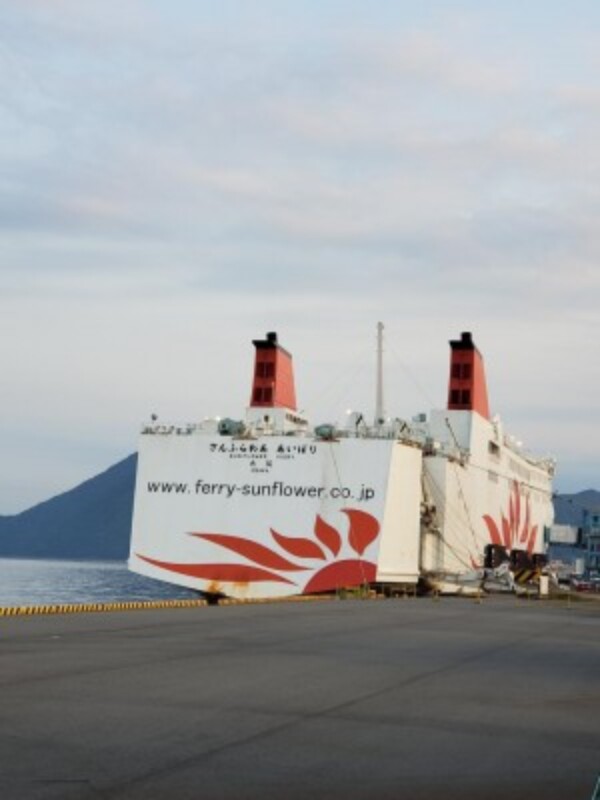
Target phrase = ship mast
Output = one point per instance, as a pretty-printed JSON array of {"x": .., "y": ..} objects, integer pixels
[{"x": 379, "y": 410}]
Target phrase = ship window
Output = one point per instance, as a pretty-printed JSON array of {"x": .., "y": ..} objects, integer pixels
[
  {"x": 465, "y": 397},
  {"x": 456, "y": 370},
  {"x": 267, "y": 395},
  {"x": 454, "y": 397},
  {"x": 265, "y": 369},
  {"x": 258, "y": 395},
  {"x": 466, "y": 372},
  {"x": 493, "y": 449}
]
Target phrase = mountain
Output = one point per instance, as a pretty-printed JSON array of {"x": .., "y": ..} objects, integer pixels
[
  {"x": 568, "y": 508},
  {"x": 91, "y": 521}
]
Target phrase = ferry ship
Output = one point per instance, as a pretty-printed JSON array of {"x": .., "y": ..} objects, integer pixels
[{"x": 269, "y": 506}]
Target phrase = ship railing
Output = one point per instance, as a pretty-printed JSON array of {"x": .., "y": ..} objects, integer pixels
[
  {"x": 370, "y": 432},
  {"x": 547, "y": 463}
]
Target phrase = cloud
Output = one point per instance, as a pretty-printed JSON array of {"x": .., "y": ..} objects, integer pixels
[{"x": 175, "y": 184}]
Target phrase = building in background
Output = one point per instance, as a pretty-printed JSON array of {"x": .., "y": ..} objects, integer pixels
[
  {"x": 564, "y": 535},
  {"x": 590, "y": 534}
]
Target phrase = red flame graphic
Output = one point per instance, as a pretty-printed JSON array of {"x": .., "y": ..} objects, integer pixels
[
  {"x": 511, "y": 533},
  {"x": 301, "y": 548},
  {"x": 328, "y": 535},
  {"x": 364, "y": 529},
  {"x": 251, "y": 550},
  {"x": 236, "y": 573}
]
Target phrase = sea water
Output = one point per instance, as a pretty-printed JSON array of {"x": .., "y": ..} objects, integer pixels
[{"x": 40, "y": 582}]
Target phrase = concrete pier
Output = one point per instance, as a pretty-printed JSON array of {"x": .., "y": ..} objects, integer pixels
[{"x": 386, "y": 699}]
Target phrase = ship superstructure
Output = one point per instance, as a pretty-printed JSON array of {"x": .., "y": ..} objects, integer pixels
[
  {"x": 487, "y": 501},
  {"x": 269, "y": 506}
]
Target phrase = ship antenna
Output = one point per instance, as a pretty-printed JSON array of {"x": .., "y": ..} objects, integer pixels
[{"x": 379, "y": 411}]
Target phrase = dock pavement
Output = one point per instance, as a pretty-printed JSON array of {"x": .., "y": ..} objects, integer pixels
[{"x": 414, "y": 698}]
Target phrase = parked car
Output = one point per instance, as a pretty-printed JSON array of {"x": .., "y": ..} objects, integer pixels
[{"x": 582, "y": 585}]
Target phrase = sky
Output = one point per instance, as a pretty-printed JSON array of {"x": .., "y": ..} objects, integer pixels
[{"x": 178, "y": 178}]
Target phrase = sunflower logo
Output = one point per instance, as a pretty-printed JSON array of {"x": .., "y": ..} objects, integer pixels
[{"x": 318, "y": 556}]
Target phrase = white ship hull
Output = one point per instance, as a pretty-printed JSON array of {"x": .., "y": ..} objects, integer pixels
[{"x": 267, "y": 509}]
